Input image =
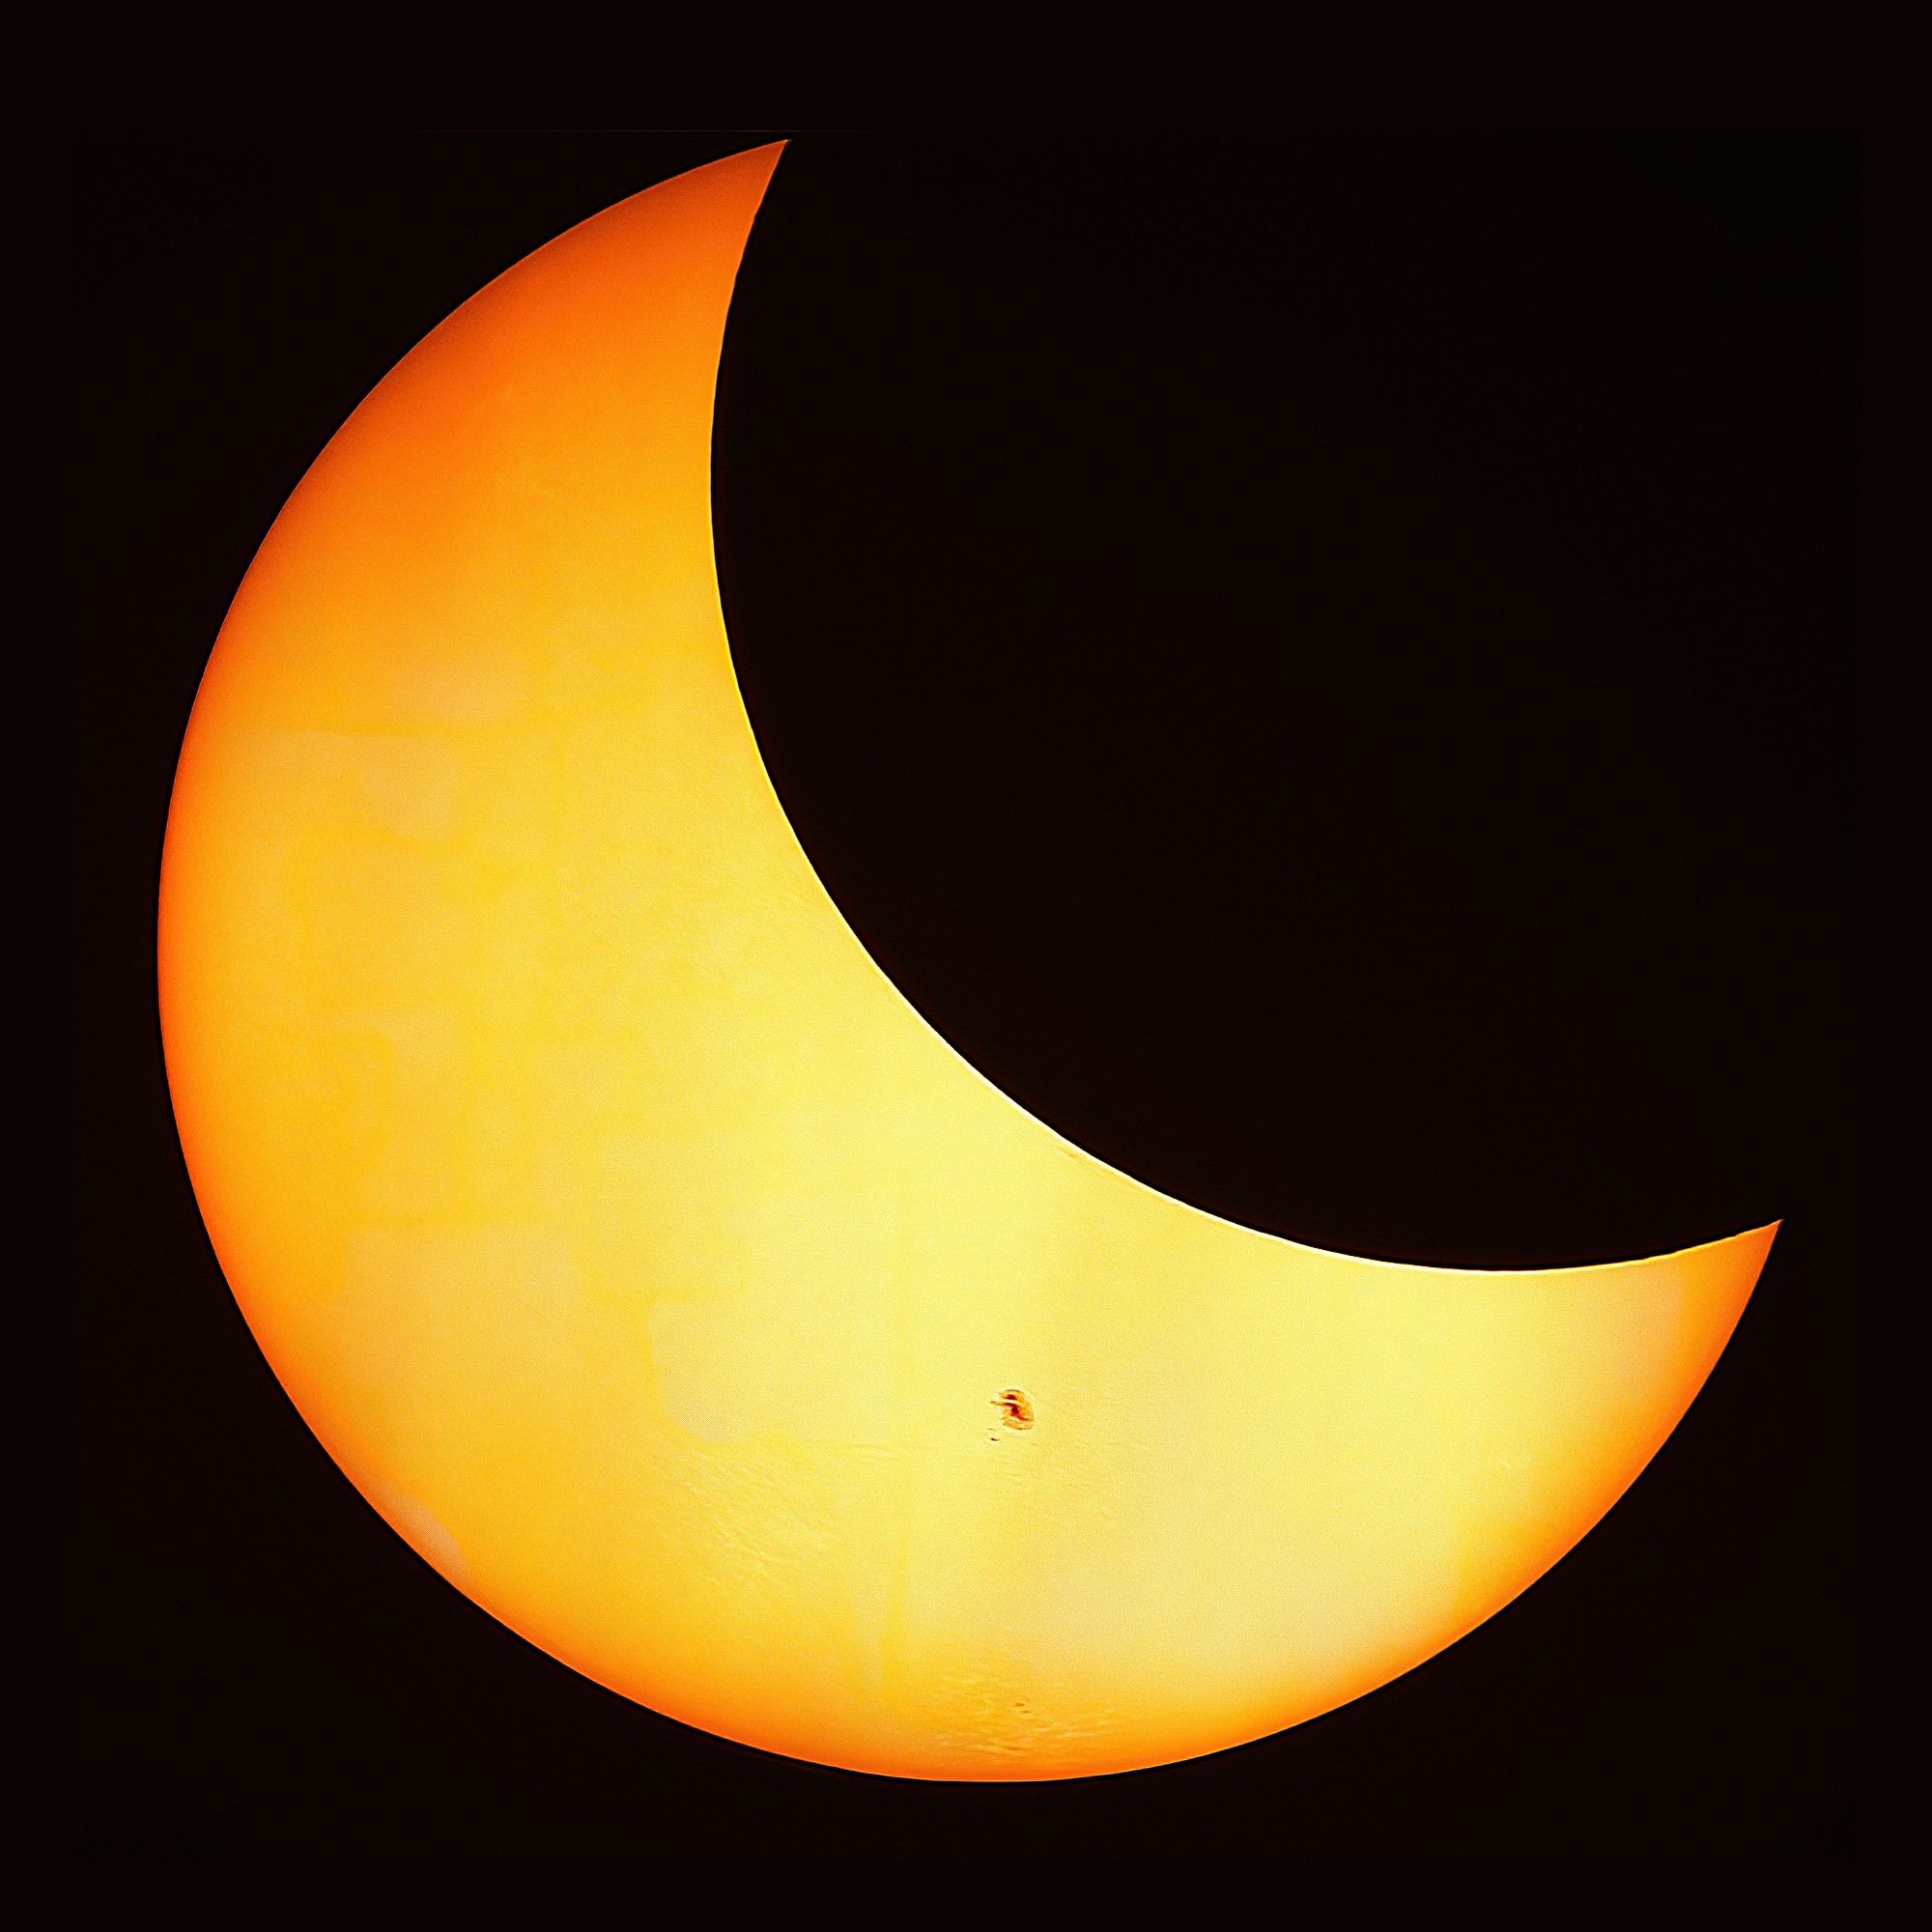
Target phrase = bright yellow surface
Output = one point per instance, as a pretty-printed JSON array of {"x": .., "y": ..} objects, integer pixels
[{"x": 653, "y": 1268}]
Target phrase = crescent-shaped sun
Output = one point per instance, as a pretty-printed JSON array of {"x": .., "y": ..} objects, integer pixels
[{"x": 648, "y": 1261}]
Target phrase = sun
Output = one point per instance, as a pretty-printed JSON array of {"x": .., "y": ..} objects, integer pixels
[{"x": 653, "y": 1266}]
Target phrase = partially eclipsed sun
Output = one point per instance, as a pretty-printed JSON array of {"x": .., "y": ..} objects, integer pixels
[{"x": 648, "y": 1261}]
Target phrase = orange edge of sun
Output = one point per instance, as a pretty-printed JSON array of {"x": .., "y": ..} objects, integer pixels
[{"x": 653, "y": 1268}]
